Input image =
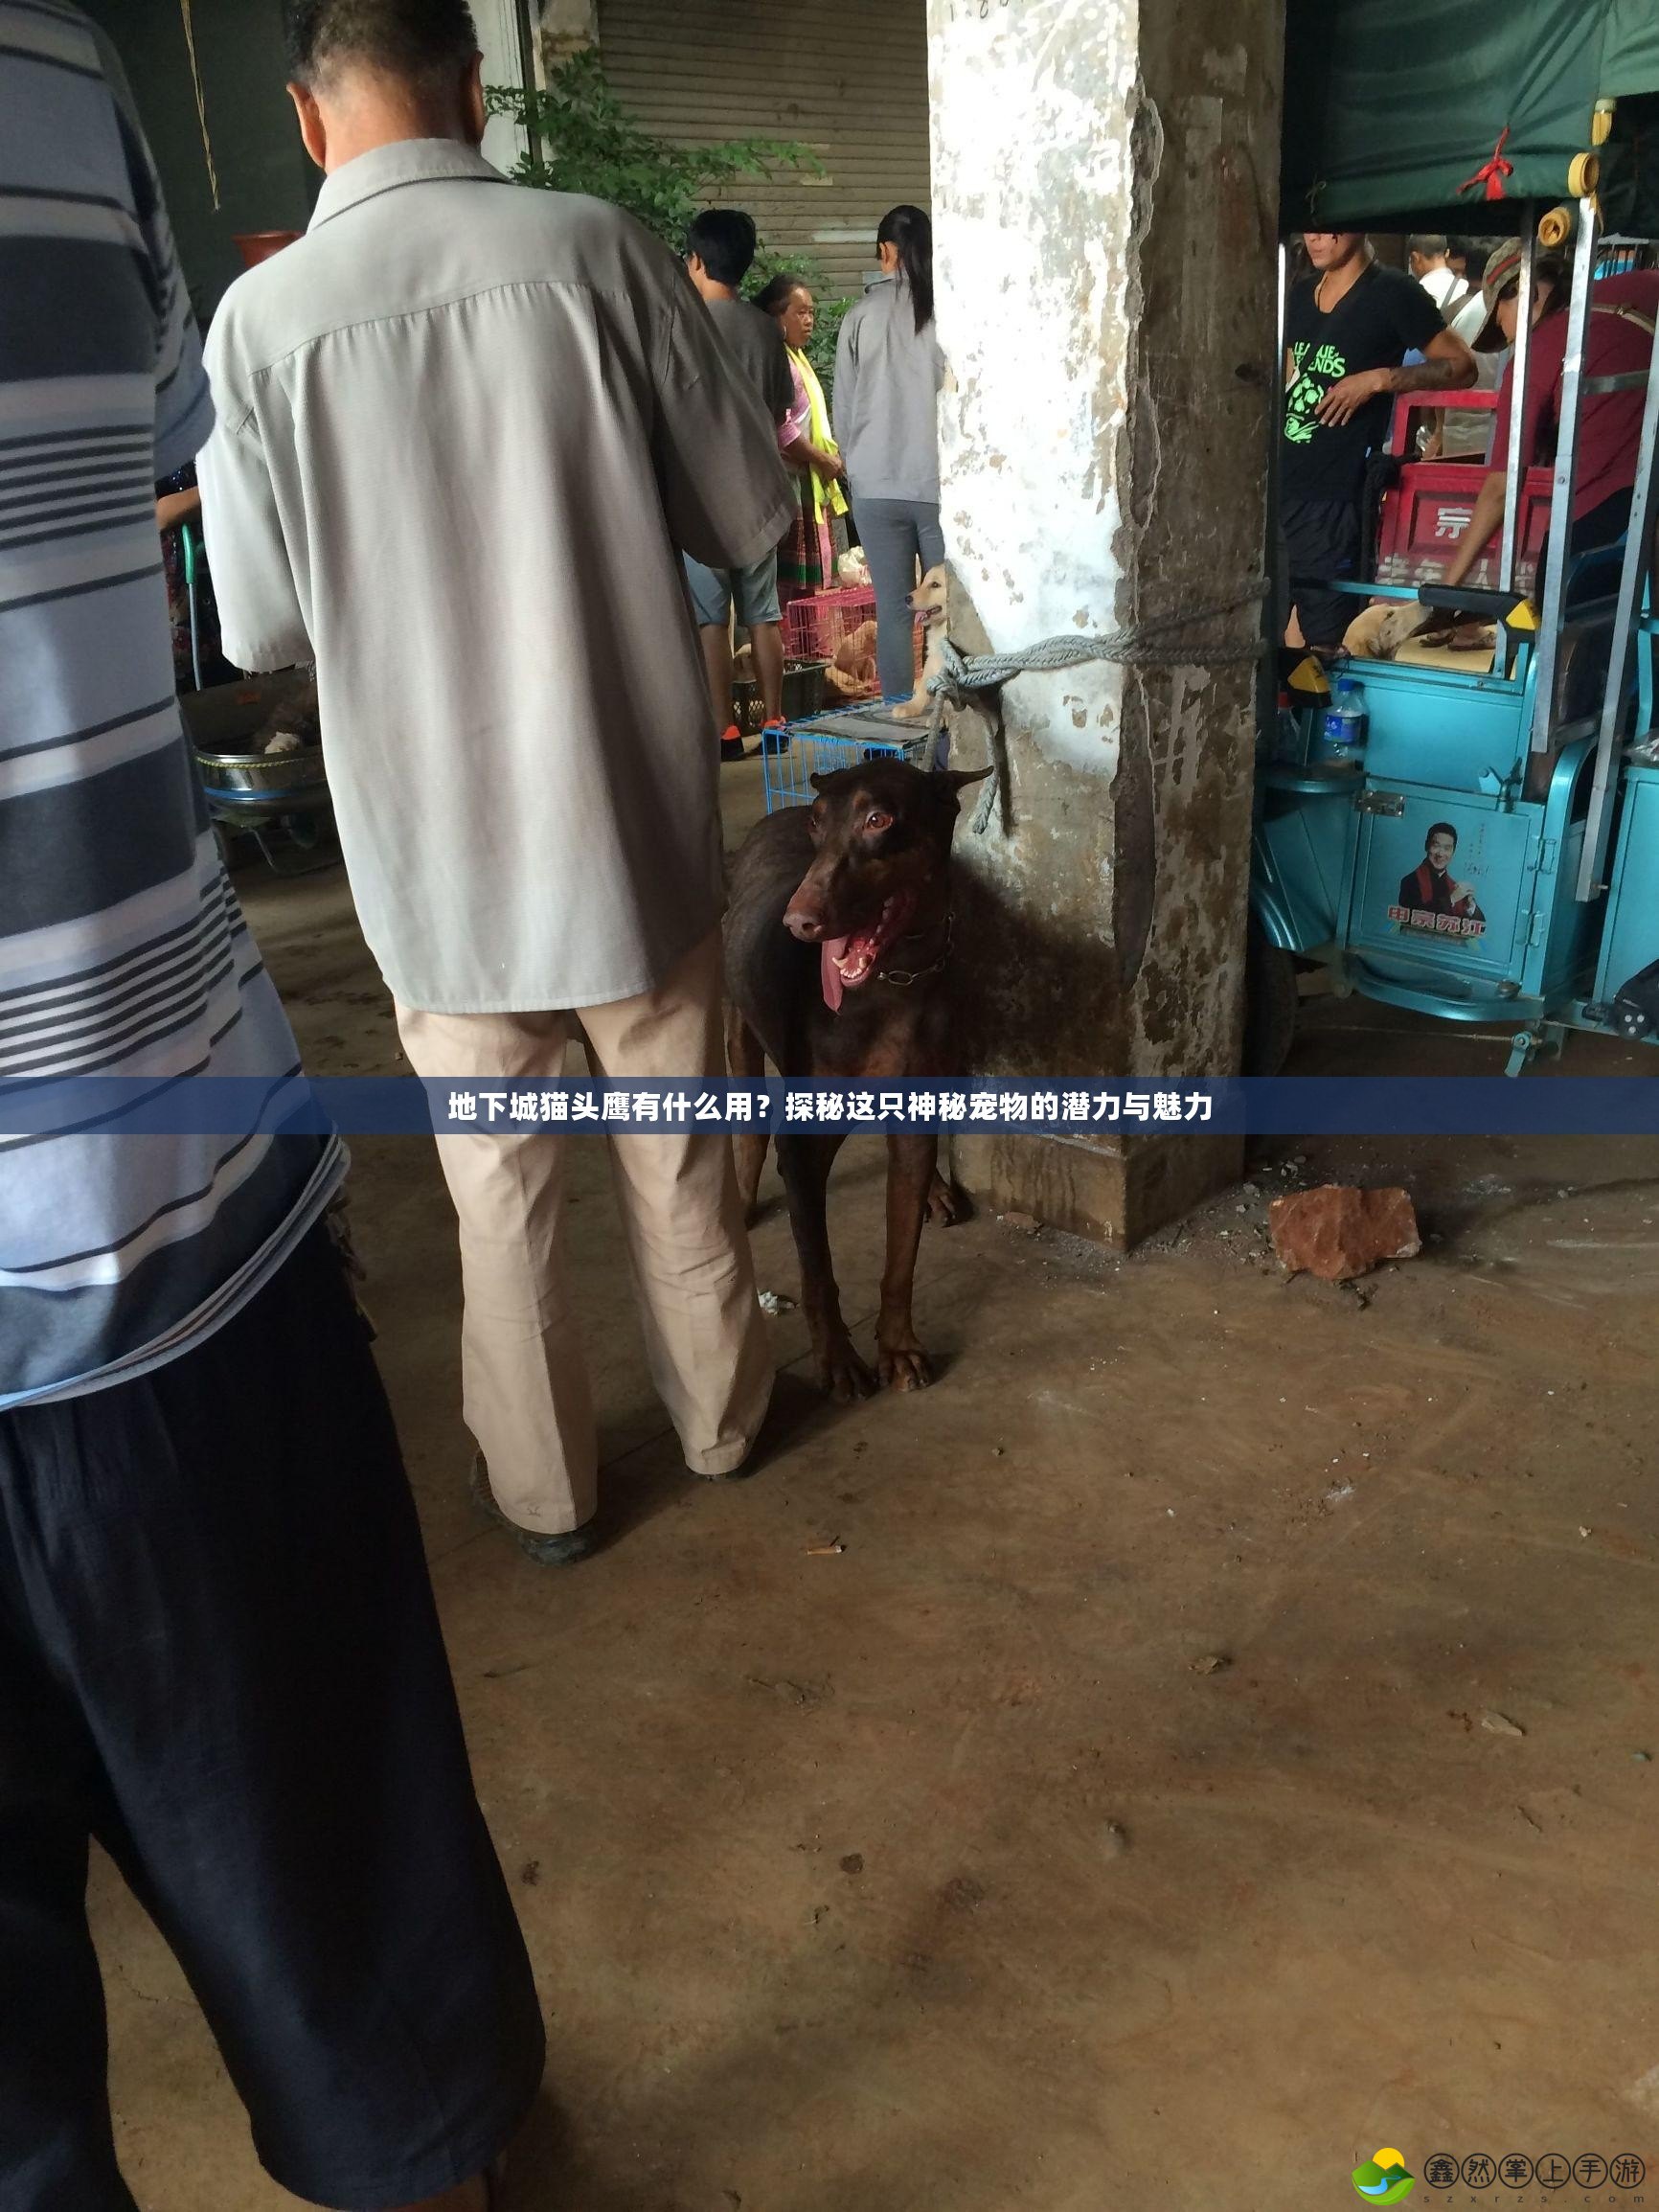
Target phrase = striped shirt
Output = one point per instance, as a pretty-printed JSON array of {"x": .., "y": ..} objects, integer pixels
[{"x": 122, "y": 948}]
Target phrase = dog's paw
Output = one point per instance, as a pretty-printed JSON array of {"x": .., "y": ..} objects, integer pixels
[
  {"x": 905, "y": 1369},
  {"x": 946, "y": 1204},
  {"x": 843, "y": 1375}
]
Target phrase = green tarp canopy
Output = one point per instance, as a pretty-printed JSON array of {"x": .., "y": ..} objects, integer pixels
[{"x": 1392, "y": 106}]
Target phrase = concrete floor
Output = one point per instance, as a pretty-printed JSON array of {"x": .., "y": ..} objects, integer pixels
[{"x": 949, "y": 1873}]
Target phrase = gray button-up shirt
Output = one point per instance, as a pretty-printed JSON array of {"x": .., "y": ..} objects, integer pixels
[{"x": 463, "y": 426}]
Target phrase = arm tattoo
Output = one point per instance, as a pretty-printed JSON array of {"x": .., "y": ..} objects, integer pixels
[{"x": 1430, "y": 376}]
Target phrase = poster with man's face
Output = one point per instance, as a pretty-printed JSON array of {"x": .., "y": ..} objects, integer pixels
[{"x": 1433, "y": 901}]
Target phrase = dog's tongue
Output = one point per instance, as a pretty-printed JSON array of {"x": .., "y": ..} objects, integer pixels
[{"x": 829, "y": 952}]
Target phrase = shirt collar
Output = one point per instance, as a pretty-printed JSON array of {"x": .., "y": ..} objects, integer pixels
[{"x": 405, "y": 160}]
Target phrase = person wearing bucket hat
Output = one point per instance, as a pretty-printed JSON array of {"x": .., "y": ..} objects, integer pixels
[
  {"x": 1495, "y": 327},
  {"x": 1620, "y": 339}
]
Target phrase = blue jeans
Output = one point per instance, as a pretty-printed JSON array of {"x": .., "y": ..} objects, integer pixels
[{"x": 896, "y": 534}]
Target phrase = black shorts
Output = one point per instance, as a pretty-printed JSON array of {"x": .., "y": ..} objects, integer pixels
[
  {"x": 1318, "y": 542},
  {"x": 219, "y": 1655}
]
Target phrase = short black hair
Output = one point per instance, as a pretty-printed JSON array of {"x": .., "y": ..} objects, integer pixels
[
  {"x": 1431, "y": 244},
  {"x": 723, "y": 241},
  {"x": 1439, "y": 830},
  {"x": 408, "y": 39}
]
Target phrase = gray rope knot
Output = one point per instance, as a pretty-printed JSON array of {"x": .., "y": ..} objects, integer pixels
[{"x": 1164, "y": 641}]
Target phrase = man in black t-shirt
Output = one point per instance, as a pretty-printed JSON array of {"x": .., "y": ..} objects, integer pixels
[{"x": 1348, "y": 328}]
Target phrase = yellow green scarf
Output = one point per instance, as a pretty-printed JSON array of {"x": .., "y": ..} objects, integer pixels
[{"x": 818, "y": 430}]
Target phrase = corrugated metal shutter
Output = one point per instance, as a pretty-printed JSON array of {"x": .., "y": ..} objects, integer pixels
[{"x": 848, "y": 77}]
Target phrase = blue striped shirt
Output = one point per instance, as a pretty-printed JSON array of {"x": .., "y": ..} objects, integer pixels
[{"x": 122, "y": 950}]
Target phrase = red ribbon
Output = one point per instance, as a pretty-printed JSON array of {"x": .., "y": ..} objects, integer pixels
[{"x": 1493, "y": 172}]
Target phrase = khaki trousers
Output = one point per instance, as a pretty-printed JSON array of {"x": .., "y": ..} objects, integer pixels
[{"x": 526, "y": 1395}]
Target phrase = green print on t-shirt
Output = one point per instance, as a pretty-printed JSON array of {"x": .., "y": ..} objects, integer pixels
[{"x": 1313, "y": 379}]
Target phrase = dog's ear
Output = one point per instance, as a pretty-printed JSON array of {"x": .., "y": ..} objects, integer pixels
[
  {"x": 959, "y": 779},
  {"x": 818, "y": 781}
]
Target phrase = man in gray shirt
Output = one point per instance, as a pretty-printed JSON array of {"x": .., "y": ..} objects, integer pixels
[
  {"x": 719, "y": 253},
  {"x": 463, "y": 427}
]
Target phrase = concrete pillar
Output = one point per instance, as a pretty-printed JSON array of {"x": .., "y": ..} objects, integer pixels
[{"x": 1105, "y": 177}]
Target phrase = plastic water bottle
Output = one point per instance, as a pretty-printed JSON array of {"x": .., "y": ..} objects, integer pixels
[{"x": 1345, "y": 722}]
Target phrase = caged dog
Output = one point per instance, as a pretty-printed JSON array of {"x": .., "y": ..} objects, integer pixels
[{"x": 838, "y": 968}]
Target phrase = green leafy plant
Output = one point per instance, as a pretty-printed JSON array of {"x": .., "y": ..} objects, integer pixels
[{"x": 582, "y": 139}]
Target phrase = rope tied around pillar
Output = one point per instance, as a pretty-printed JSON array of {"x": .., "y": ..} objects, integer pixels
[{"x": 1162, "y": 643}]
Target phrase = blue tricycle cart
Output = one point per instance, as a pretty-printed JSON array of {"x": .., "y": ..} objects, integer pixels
[{"x": 1489, "y": 852}]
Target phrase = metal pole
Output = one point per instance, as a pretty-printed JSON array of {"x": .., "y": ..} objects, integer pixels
[
  {"x": 1272, "y": 628},
  {"x": 1279, "y": 598},
  {"x": 527, "y": 73},
  {"x": 1561, "y": 485},
  {"x": 1632, "y": 574},
  {"x": 1513, "y": 470}
]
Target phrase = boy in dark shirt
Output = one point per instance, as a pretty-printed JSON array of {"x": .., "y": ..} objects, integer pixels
[
  {"x": 1348, "y": 328},
  {"x": 720, "y": 249}
]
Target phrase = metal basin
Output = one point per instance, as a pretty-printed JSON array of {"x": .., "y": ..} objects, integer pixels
[{"x": 264, "y": 775}]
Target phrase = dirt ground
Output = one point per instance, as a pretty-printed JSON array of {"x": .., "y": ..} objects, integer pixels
[{"x": 1224, "y": 1744}]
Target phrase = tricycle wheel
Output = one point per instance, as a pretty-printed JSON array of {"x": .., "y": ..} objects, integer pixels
[{"x": 1270, "y": 1003}]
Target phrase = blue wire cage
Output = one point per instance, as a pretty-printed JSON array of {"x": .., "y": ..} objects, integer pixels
[{"x": 821, "y": 744}]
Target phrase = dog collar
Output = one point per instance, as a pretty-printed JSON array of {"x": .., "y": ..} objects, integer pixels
[{"x": 904, "y": 977}]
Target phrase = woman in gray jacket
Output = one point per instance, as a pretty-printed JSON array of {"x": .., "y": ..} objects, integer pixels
[{"x": 888, "y": 371}]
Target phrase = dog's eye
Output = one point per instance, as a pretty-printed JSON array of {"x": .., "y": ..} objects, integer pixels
[{"x": 877, "y": 820}]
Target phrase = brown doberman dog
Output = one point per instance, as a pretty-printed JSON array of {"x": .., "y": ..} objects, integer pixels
[{"x": 838, "y": 943}]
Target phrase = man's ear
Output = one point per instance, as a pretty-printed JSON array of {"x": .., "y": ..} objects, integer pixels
[
  {"x": 473, "y": 116},
  {"x": 314, "y": 131}
]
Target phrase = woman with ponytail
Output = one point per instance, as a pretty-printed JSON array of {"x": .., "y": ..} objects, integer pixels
[{"x": 888, "y": 371}]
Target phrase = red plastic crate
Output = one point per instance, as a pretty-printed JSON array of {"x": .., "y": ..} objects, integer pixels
[
  {"x": 1426, "y": 513},
  {"x": 1417, "y": 410},
  {"x": 1424, "y": 518}
]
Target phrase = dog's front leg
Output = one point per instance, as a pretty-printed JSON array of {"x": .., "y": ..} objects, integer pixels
[
  {"x": 910, "y": 1165},
  {"x": 805, "y": 1164}
]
